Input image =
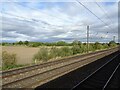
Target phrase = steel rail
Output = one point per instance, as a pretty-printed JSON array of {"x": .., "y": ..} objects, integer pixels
[
  {"x": 111, "y": 77},
  {"x": 46, "y": 71},
  {"x": 33, "y": 67},
  {"x": 95, "y": 71},
  {"x": 51, "y": 69}
]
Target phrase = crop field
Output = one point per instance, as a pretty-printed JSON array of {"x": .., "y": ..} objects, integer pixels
[{"x": 24, "y": 54}]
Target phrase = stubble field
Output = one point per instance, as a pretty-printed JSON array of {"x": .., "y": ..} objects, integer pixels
[{"x": 24, "y": 54}]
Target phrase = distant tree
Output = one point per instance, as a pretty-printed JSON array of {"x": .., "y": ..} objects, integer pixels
[
  {"x": 20, "y": 42},
  {"x": 98, "y": 45},
  {"x": 26, "y": 42},
  {"x": 76, "y": 49},
  {"x": 61, "y": 43},
  {"x": 3, "y": 44},
  {"x": 13, "y": 43},
  {"x": 76, "y": 42},
  {"x": 105, "y": 45},
  {"x": 112, "y": 43}
]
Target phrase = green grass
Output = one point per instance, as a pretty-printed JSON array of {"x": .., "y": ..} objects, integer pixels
[{"x": 11, "y": 67}]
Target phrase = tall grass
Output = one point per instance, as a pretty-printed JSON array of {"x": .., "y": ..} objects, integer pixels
[
  {"x": 8, "y": 59},
  {"x": 65, "y": 51},
  {"x": 45, "y": 54},
  {"x": 41, "y": 55}
]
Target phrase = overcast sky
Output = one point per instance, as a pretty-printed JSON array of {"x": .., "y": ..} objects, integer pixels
[{"x": 58, "y": 21}]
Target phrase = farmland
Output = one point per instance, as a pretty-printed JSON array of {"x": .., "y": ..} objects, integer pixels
[
  {"x": 24, "y": 54},
  {"x": 14, "y": 55}
]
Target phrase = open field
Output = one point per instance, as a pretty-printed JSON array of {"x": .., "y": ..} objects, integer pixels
[{"x": 24, "y": 54}]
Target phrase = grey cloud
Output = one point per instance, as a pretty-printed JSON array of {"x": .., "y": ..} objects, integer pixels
[{"x": 43, "y": 31}]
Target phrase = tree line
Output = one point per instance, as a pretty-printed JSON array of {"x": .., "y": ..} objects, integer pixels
[{"x": 59, "y": 43}]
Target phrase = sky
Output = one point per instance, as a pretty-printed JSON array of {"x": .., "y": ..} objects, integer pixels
[{"x": 51, "y": 21}]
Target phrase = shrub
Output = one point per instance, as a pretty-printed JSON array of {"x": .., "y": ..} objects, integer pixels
[
  {"x": 105, "y": 46},
  {"x": 8, "y": 59},
  {"x": 76, "y": 49},
  {"x": 65, "y": 51},
  {"x": 98, "y": 46},
  {"x": 54, "y": 52},
  {"x": 112, "y": 44},
  {"x": 41, "y": 55},
  {"x": 26, "y": 43},
  {"x": 83, "y": 48},
  {"x": 91, "y": 47}
]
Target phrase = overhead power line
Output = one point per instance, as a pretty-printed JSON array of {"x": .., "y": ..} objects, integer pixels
[
  {"x": 96, "y": 17},
  {"x": 103, "y": 11},
  {"x": 93, "y": 13}
]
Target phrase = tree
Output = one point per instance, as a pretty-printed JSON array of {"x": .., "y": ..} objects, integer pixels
[
  {"x": 61, "y": 43},
  {"x": 98, "y": 45},
  {"x": 76, "y": 49},
  {"x": 20, "y": 42},
  {"x": 112, "y": 43},
  {"x": 26, "y": 42},
  {"x": 76, "y": 42},
  {"x": 13, "y": 43},
  {"x": 3, "y": 44}
]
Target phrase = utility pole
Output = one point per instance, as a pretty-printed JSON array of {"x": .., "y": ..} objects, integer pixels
[{"x": 87, "y": 39}]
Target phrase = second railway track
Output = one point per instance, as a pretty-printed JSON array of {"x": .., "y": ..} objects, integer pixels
[{"x": 102, "y": 76}]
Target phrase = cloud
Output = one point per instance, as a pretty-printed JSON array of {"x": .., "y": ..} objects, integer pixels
[{"x": 55, "y": 21}]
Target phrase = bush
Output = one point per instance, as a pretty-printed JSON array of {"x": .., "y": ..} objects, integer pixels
[
  {"x": 91, "y": 47},
  {"x": 112, "y": 44},
  {"x": 76, "y": 49},
  {"x": 98, "y": 46},
  {"x": 54, "y": 52},
  {"x": 41, "y": 55},
  {"x": 65, "y": 51},
  {"x": 8, "y": 59},
  {"x": 105, "y": 46}
]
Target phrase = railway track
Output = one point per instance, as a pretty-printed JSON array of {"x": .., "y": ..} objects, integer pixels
[
  {"x": 114, "y": 79},
  {"x": 39, "y": 74},
  {"x": 102, "y": 77},
  {"x": 33, "y": 67}
]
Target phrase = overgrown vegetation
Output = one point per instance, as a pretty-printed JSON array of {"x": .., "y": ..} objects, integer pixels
[
  {"x": 42, "y": 55},
  {"x": 45, "y": 54},
  {"x": 8, "y": 59}
]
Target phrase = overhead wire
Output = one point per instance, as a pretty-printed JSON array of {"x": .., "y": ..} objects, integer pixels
[
  {"x": 104, "y": 13},
  {"x": 94, "y": 15},
  {"x": 84, "y": 7}
]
